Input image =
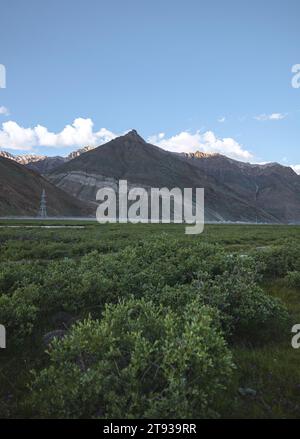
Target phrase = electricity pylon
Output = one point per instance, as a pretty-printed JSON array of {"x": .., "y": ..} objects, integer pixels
[{"x": 43, "y": 206}]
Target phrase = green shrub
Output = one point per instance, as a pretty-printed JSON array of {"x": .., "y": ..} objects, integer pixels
[
  {"x": 230, "y": 285},
  {"x": 278, "y": 261},
  {"x": 19, "y": 312},
  {"x": 293, "y": 279},
  {"x": 139, "y": 361},
  {"x": 246, "y": 312},
  {"x": 15, "y": 274},
  {"x": 160, "y": 270}
]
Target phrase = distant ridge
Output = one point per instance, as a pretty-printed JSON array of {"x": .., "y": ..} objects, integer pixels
[{"x": 43, "y": 164}]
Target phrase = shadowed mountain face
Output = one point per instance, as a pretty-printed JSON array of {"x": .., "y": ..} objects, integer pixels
[
  {"x": 45, "y": 164},
  {"x": 234, "y": 191},
  {"x": 21, "y": 189},
  {"x": 272, "y": 187}
]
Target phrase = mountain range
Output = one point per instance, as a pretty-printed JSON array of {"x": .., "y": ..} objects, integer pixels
[
  {"x": 41, "y": 163},
  {"x": 234, "y": 191}
]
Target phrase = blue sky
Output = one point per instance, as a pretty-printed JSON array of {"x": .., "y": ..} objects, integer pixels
[{"x": 186, "y": 74}]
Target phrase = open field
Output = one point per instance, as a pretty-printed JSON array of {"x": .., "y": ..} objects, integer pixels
[{"x": 205, "y": 329}]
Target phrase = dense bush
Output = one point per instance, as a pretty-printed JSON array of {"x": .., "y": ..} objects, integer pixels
[
  {"x": 19, "y": 312},
  {"x": 293, "y": 279},
  {"x": 229, "y": 284},
  {"x": 246, "y": 311},
  {"x": 160, "y": 351},
  {"x": 160, "y": 270},
  {"x": 138, "y": 361},
  {"x": 16, "y": 274},
  {"x": 278, "y": 261}
]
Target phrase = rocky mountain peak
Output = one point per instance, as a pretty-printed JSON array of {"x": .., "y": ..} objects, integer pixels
[
  {"x": 22, "y": 159},
  {"x": 6, "y": 155},
  {"x": 133, "y": 135},
  {"x": 78, "y": 152},
  {"x": 200, "y": 155}
]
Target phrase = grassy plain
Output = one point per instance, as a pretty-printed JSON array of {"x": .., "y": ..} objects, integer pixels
[{"x": 271, "y": 369}]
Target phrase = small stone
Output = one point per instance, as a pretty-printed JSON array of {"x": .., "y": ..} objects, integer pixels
[{"x": 246, "y": 391}]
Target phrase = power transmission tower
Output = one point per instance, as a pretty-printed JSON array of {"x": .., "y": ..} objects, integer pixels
[{"x": 43, "y": 206}]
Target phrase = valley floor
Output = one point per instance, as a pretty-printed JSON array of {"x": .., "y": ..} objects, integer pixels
[{"x": 266, "y": 378}]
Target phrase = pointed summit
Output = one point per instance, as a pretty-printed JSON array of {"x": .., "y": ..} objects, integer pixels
[{"x": 133, "y": 135}]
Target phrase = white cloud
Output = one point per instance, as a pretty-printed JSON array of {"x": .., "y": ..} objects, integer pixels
[
  {"x": 206, "y": 142},
  {"x": 4, "y": 111},
  {"x": 222, "y": 119},
  {"x": 296, "y": 168},
  {"x": 273, "y": 116},
  {"x": 12, "y": 136},
  {"x": 78, "y": 134},
  {"x": 81, "y": 132}
]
